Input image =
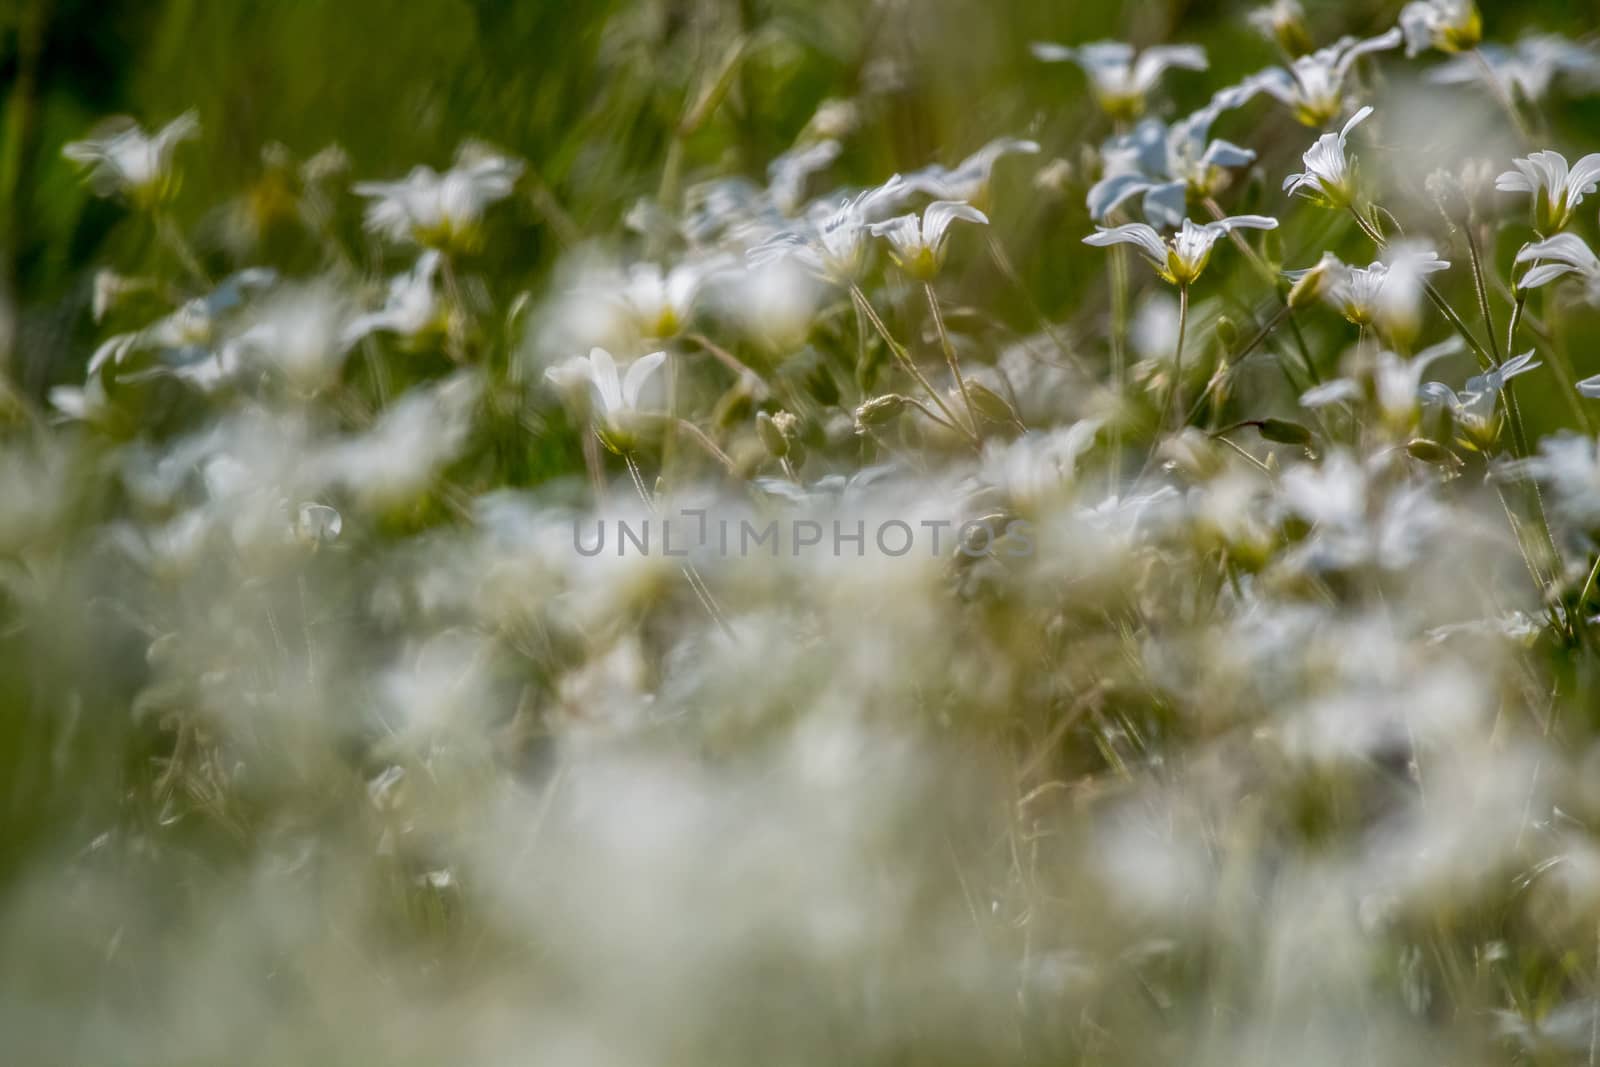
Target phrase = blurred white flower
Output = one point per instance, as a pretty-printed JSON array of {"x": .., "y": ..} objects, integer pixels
[
  {"x": 1165, "y": 165},
  {"x": 398, "y": 458},
  {"x": 661, "y": 301},
  {"x": 1386, "y": 294},
  {"x": 1556, "y": 188},
  {"x": 1532, "y": 66},
  {"x": 1284, "y": 23},
  {"x": 832, "y": 243},
  {"x": 183, "y": 339},
  {"x": 1568, "y": 464},
  {"x": 787, "y": 175},
  {"x": 775, "y": 303},
  {"x": 1394, "y": 385},
  {"x": 1121, "y": 75},
  {"x": 1037, "y": 468},
  {"x": 969, "y": 180},
  {"x": 1328, "y": 178},
  {"x": 1180, "y": 258},
  {"x": 411, "y": 307},
  {"x": 918, "y": 244},
  {"x": 1448, "y": 25},
  {"x": 128, "y": 161},
  {"x": 303, "y": 334},
  {"x": 441, "y": 211},
  {"x": 620, "y": 395}
]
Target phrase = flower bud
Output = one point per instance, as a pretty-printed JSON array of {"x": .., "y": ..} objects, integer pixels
[{"x": 879, "y": 410}]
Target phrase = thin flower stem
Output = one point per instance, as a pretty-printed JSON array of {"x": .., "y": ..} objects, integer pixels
[
  {"x": 1174, "y": 392},
  {"x": 934, "y": 415},
  {"x": 455, "y": 339},
  {"x": 740, "y": 369},
  {"x": 696, "y": 583},
  {"x": 591, "y": 463},
  {"x": 1476, "y": 261},
  {"x": 1513, "y": 407},
  {"x": 1003, "y": 263},
  {"x": 905, "y": 360},
  {"x": 1558, "y": 361},
  {"x": 1266, "y": 272},
  {"x": 1503, "y": 95},
  {"x": 1434, "y": 297},
  {"x": 701, "y": 438},
  {"x": 1272, "y": 278},
  {"x": 1588, "y": 587},
  {"x": 950, "y": 355},
  {"x": 172, "y": 236},
  {"x": 1250, "y": 346}
]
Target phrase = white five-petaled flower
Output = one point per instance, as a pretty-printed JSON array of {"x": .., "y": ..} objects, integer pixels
[
  {"x": 1328, "y": 178},
  {"x": 436, "y": 210},
  {"x": 1180, "y": 258},
  {"x": 1121, "y": 75},
  {"x": 1475, "y": 410},
  {"x": 1556, "y": 188},
  {"x": 1312, "y": 87},
  {"x": 1448, "y": 25},
  {"x": 127, "y": 160},
  {"x": 918, "y": 244},
  {"x": 619, "y": 394},
  {"x": 1557, "y": 257},
  {"x": 1531, "y": 65}
]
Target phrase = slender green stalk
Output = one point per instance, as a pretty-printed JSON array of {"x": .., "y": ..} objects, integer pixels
[
  {"x": 1174, "y": 392},
  {"x": 1007, "y": 270},
  {"x": 1434, "y": 297},
  {"x": 691, "y": 574},
  {"x": 1558, "y": 361},
  {"x": 1482, "y": 293},
  {"x": 1249, "y": 347},
  {"x": 950, "y": 355},
  {"x": 906, "y": 362},
  {"x": 1503, "y": 95}
]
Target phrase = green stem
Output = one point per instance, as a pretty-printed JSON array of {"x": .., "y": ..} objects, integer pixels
[
  {"x": 1174, "y": 392},
  {"x": 1503, "y": 96},
  {"x": 950, "y": 354},
  {"x": 906, "y": 362}
]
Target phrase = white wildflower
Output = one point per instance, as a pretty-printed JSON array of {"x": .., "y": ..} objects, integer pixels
[
  {"x": 620, "y": 395},
  {"x": 1120, "y": 75},
  {"x": 1313, "y": 86},
  {"x": 1556, "y": 188},
  {"x": 128, "y": 161},
  {"x": 1329, "y": 177},
  {"x": 1180, "y": 258},
  {"x": 1448, "y": 25},
  {"x": 442, "y": 211},
  {"x": 918, "y": 244}
]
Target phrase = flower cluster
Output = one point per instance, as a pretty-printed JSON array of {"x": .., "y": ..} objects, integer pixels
[{"x": 820, "y": 610}]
